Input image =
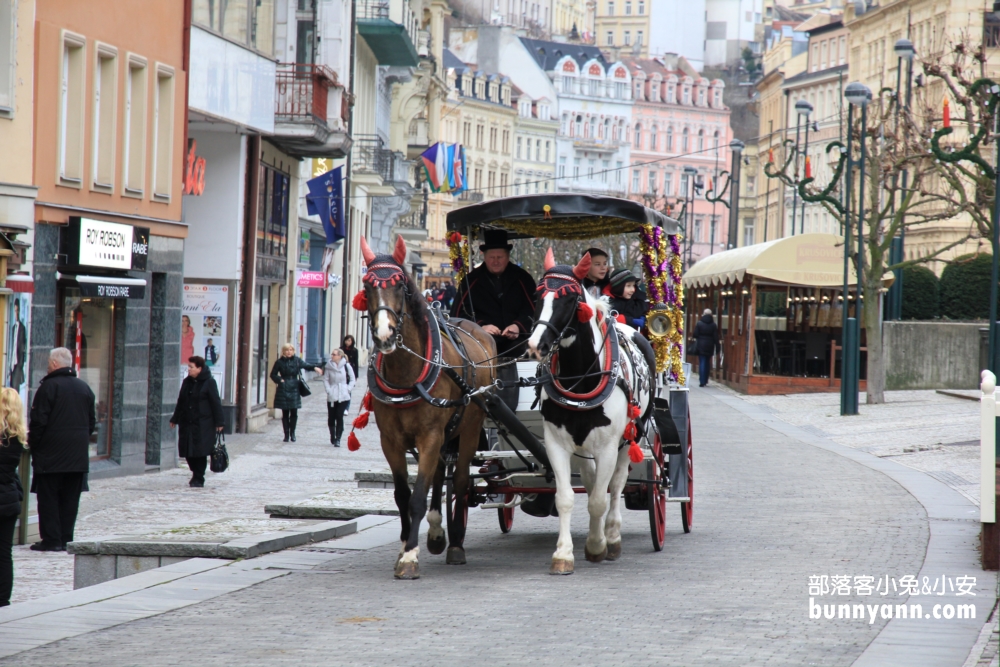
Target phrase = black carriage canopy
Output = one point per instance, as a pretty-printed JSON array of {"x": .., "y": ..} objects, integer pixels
[{"x": 559, "y": 216}]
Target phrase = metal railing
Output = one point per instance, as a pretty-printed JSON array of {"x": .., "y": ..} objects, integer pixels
[
  {"x": 470, "y": 196},
  {"x": 302, "y": 91},
  {"x": 415, "y": 220},
  {"x": 371, "y": 155},
  {"x": 397, "y": 11}
]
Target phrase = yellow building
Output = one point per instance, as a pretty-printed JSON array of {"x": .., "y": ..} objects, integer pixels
[
  {"x": 567, "y": 16},
  {"x": 932, "y": 25},
  {"x": 622, "y": 27}
]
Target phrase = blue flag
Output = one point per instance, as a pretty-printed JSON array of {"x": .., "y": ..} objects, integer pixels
[{"x": 326, "y": 199}]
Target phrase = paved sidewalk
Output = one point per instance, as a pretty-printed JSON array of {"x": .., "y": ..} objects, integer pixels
[
  {"x": 263, "y": 469},
  {"x": 771, "y": 510}
]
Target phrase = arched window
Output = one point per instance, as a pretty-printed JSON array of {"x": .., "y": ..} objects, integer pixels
[
  {"x": 715, "y": 140},
  {"x": 701, "y": 140},
  {"x": 684, "y": 140},
  {"x": 607, "y": 129},
  {"x": 593, "y": 127},
  {"x": 638, "y": 135},
  {"x": 578, "y": 127},
  {"x": 652, "y": 137},
  {"x": 564, "y": 125},
  {"x": 670, "y": 138}
]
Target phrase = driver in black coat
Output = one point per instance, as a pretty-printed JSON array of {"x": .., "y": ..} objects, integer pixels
[{"x": 498, "y": 295}]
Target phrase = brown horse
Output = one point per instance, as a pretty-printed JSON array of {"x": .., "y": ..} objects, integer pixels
[{"x": 406, "y": 371}]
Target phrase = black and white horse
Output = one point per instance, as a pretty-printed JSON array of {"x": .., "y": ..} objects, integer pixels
[{"x": 597, "y": 393}]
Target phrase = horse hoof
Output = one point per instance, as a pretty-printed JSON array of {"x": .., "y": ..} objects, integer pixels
[
  {"x": 595, "y": 558},
  {"x": 436, "y": 545},
  {"x": 614, "y": 551},
  {"x": 456, "y": 556},
  {"x": 560, "y": 566},
  {"x": 407, "y": 570}
]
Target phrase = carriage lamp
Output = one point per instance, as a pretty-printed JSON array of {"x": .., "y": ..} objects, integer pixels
[{"x": 658, "y": 322}]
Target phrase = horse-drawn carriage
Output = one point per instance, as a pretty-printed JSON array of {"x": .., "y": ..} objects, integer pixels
[{"x": 594, "y": 406}]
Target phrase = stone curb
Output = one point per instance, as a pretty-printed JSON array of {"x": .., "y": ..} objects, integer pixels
[{"x": 291, "y": 509}]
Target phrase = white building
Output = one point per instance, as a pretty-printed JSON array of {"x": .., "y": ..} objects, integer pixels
[{"x": 731, "y": 26}]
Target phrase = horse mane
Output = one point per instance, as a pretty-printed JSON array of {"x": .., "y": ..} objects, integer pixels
[
  {"x": 599, "y": 304},
  {"x": 415, "y": 303}
]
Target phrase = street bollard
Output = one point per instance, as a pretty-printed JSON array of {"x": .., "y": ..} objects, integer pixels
[{"x": 988, "y": 457}]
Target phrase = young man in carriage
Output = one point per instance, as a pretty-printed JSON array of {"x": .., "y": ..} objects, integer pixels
[{"x": 498, "y": 295}]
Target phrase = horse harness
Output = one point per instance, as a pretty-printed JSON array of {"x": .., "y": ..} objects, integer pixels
[{"x": 385, "y": 273}]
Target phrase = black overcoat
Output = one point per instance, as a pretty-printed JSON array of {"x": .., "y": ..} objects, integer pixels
[
  {"x": 498, "y": 300},
  {"x": 285, "y": 374},
  {"x": 11, "y": 493},
  {"x": 63, "y": 415},
  {"x": 198, "y": 414},
  {"x": 706, "y": 335}
]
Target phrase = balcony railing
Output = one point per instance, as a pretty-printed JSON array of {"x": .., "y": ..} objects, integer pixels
[
  {"x": 415, "y": 220},
  {"x": 371, "y": 155},
  {"x": 470, "y": 196},
  {"x": 390, "y": 28},
  {"x": 302, "y": 91}
]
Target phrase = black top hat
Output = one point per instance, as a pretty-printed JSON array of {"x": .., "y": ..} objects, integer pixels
[{"x": 494, "y": 239}]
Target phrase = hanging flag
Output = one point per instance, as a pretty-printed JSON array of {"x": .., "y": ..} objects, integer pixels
[
  {"x": 326, "y": 200},
  {"x": 435, "y": 168},
  {"x": 460, "y": 182},
  {"x": 946, "y": 116}
]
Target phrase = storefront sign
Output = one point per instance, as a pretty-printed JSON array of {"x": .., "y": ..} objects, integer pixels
[
  {"x": 311, "y": 279},
  {"x": 109, "y": 245},
  {"x": 112, "y": 290},
  {"x": 204, "y": 330},
  {"x": 194, "y": 171}
]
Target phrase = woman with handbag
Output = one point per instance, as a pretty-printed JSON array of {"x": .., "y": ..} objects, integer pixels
[
  {"x": 199, "y": 416},
  {"x": 291, "y": 387},
  {"x": 338, "y": 379},
  {"x": 12, "y": 436}
]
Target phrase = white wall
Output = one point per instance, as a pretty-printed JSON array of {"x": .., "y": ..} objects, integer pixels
[{"x": 214, "y": 245}]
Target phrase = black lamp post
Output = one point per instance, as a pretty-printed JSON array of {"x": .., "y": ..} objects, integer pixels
[
  {"x": 736, "y": 146},
  {"x": 804, "y": 110},
  {"x": 857, "y": 95},
  {"x": 690, "y": 172},
  {"x": 795, "y": 174},
  {"x": 894, "y": 299}
]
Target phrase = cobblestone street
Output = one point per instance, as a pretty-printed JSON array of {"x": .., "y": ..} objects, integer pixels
[{"x": 770, "y": 511}]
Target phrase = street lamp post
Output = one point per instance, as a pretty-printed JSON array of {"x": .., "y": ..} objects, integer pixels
[
  {"x": 795, "y": 173},
  {"x": 736, "y": 146},
  {"x": 857, "y": 95},
  {"x": 804, "y": 109},
  {"x": 691, "y": 172},
  {"x": 894, "y": 299}
]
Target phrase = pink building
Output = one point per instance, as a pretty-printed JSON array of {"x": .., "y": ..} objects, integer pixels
[{"x": 680, "y": 144}]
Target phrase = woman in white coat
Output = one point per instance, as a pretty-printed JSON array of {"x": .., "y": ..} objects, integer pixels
[{"x": 338, "y": 378}]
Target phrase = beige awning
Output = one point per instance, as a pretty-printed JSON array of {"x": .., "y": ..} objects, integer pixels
[{"x": 814, "y": 260}]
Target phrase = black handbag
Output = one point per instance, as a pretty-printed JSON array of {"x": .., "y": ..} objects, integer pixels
[
  {"x": 304, "y": 389},
  {"x": 220, "y": 457}
]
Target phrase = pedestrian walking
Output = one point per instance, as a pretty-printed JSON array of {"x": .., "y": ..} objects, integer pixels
[
  {"x": 338, "y": 379},
  {"x": 63, "y": 416},
  {"x": 350, "y": 352},
  {"x": 285, "y": 374},
  {"x": 13, "y": 435},
  {"x": 199, "y": 417},
  {"x": 706, "y": 336}
]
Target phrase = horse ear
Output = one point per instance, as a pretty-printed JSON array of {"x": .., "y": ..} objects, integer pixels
[
  {"x": 366, "y": 252},
  {"x": 550, "y": 259},
  {"x": 399, "y": 252},
  {"x": 582, "y": 267}
]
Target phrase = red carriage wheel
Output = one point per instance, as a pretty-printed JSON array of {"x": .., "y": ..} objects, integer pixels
[
  {"x": 657, "y": 497},
  {"x": 506, "y": 514},
  {"x": 687, "y": 509}
]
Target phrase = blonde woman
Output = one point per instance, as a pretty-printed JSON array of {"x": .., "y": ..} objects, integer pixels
[
  {"x": 13, "y": 435},
  {"x": 285, "y": 374}
]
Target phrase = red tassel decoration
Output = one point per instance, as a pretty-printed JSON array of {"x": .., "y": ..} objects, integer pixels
[
  {"x": 366, "y": 402},
  {"x": 352, "y": 442},
  {"x": 584, "y": 312},
  {"x": 634, "y": 412},
  {"x": 360, "y": 301},
  {"x": 809, "y": 171},
  {"x": 361, "y": 420},
  {"x": 630, "y": 431},
  {"x": 620, "y": 318},
  {"x": 635, "y": 452}
]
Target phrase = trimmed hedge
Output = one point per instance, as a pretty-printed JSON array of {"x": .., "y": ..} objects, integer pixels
[
  {"x": 920, "y": 293},
  {"x": 965, "y": 288}
]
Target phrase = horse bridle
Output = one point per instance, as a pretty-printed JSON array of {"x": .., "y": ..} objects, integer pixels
[
  {"x": 569, "y": 285},
  {"x": 392, "y": 274}
]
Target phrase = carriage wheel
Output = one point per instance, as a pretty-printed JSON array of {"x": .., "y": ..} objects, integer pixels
[
  {"x": 657, "y": 498},
  {"x": 687, "y": 509},
  {"x": 506, "y": 514}
]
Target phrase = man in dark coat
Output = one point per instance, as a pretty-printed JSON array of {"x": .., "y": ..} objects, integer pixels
[
  {"x": 63, "y": 416},
  {"x": 498, "y": 296},
  {"x": 706, "y": 335},
  {"x": 199, "y": 416}
]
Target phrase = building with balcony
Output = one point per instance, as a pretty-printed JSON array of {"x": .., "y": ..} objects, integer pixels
[{"x": 680, "y": 139}]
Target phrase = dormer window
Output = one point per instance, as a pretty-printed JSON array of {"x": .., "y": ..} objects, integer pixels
[
  {"x": 686, "y": 95},
  {"x": 655, "y": 91},
  {"x": 671, "y": 94},
  {"x": 701, "y": 97}
]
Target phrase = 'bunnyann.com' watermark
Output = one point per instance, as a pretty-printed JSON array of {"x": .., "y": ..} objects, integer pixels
[{"x": 828, "y": 588}]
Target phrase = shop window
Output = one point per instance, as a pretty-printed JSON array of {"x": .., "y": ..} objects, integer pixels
[
  {"x": 105, "y": 113},
  {"x": 71, "y": 111},
  {"x": 86, "y": 329},
  {"x": 7, "y": 59},
  {"x": 163, "y": 133},
  {"x": 134, "y": 149},
  {"x": 260, "y": 344},
  {"x": 272, "y": 214}
]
